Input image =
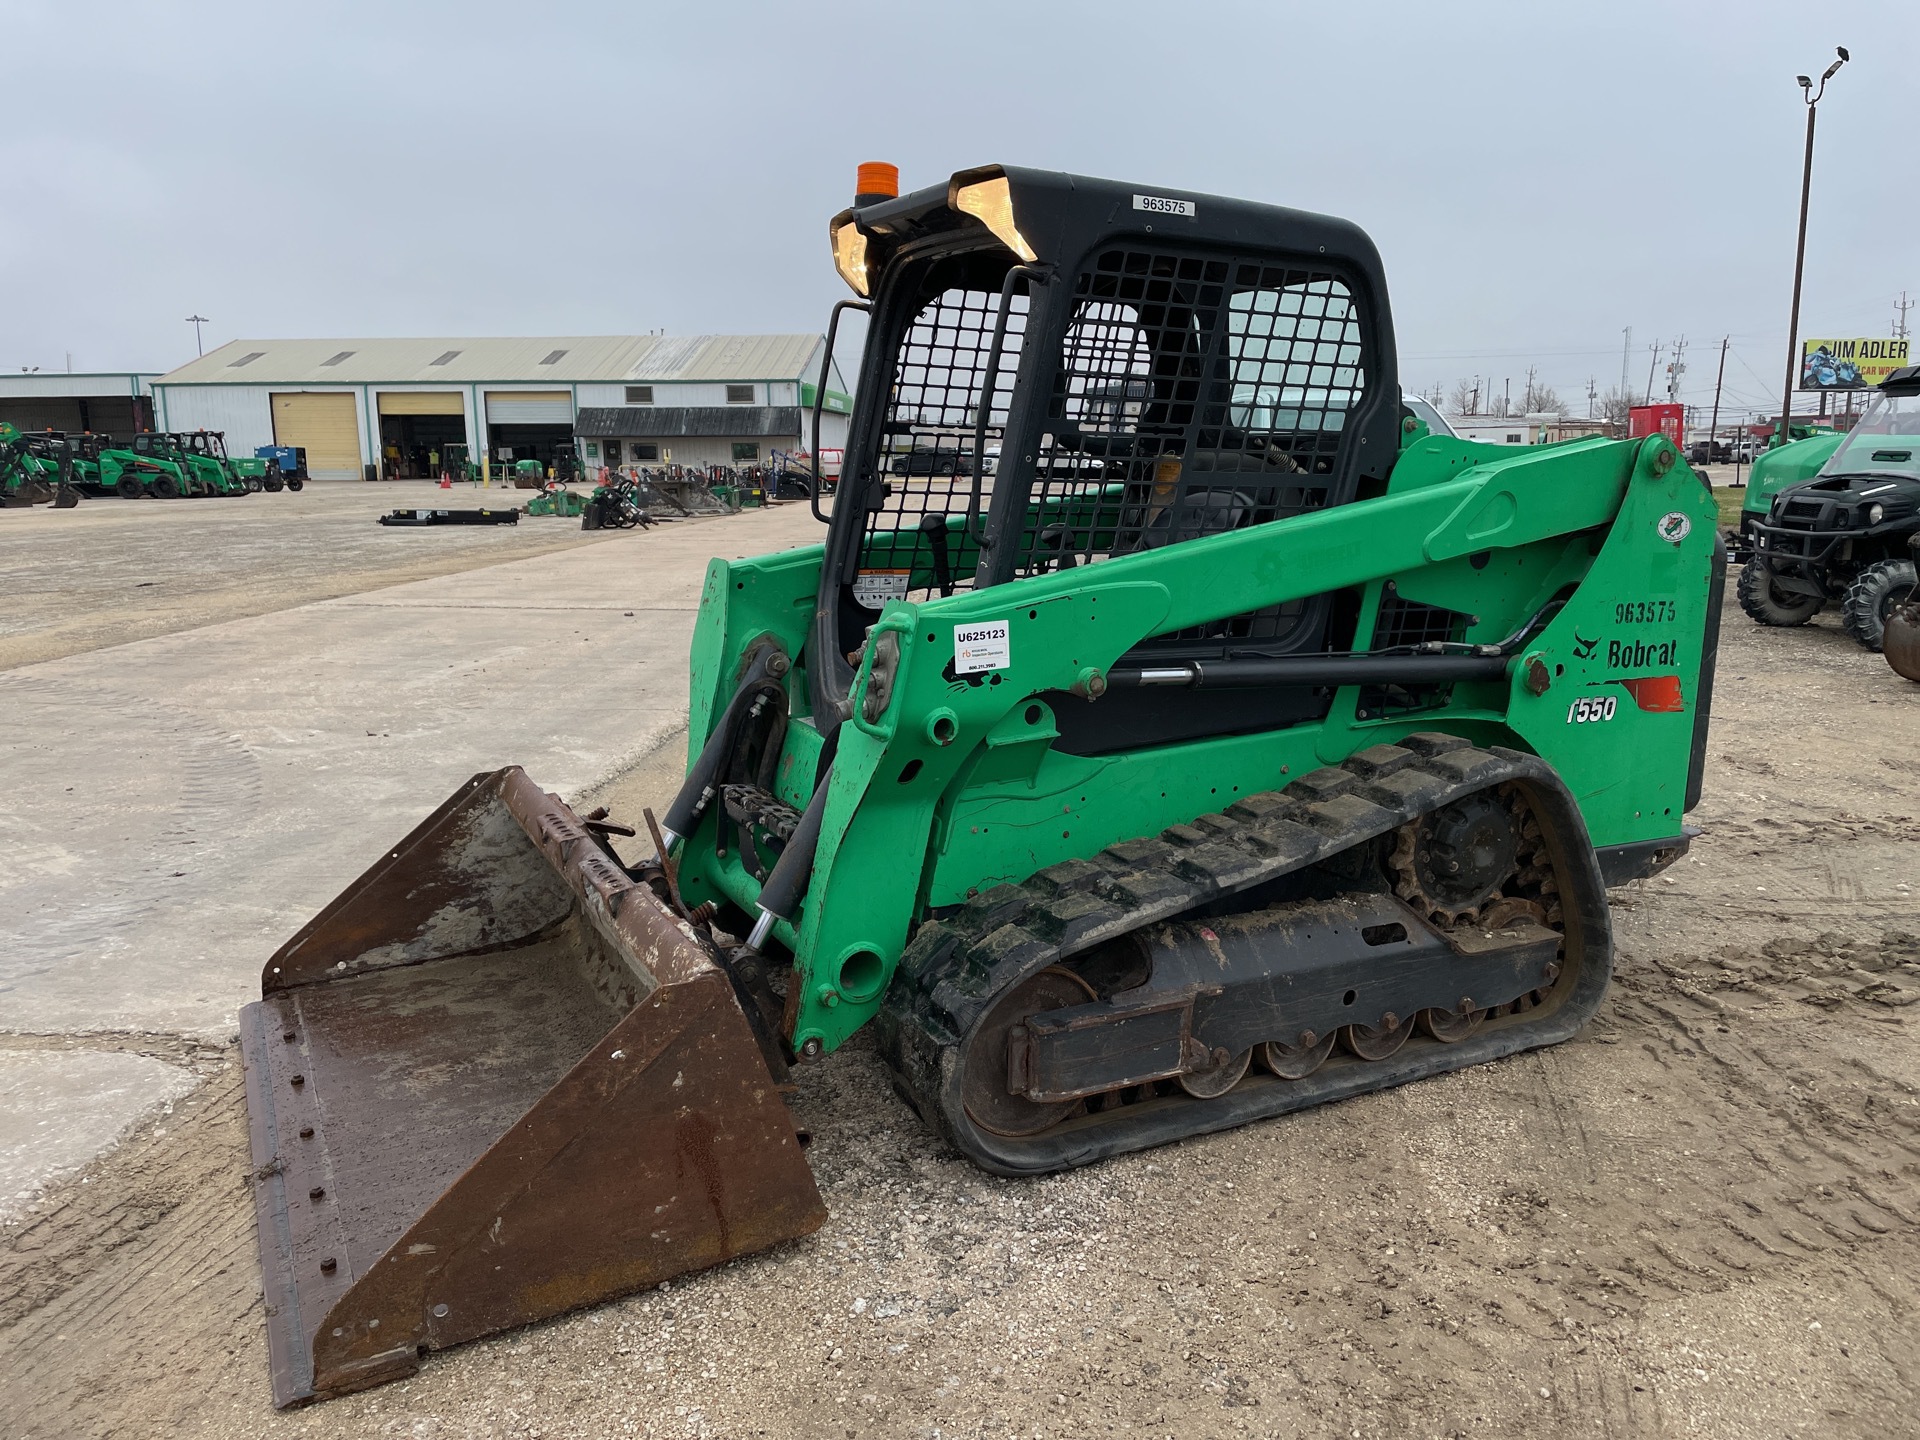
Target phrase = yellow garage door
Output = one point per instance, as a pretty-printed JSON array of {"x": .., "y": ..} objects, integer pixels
[
  {"x": 325, "y": 426},
  {"x": 422, "y": 402}
]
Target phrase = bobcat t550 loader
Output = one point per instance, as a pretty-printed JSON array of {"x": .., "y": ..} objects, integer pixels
[{"x": 1229, "y": 745}]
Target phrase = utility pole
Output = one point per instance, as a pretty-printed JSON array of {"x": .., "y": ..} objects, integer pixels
[
  {"x": 1900, "y": 308},
  {"x": 197, "y": 321},
  {"x": 1713, "y": 426},
  {"x": 1508, "y": 401},
  {"x": 1626, "y": 354},
  {"x": 1675, "y": 369},
  {"x": 1812, "y": 99},
  {"x": 1592, "y": 390},
  {"x": 1652, "y": 364}
]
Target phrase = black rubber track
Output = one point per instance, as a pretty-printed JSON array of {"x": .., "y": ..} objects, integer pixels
[{"x": 955, "y": 967}]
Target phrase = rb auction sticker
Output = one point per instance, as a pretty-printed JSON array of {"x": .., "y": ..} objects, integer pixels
[{"x": 983, "y": 645}]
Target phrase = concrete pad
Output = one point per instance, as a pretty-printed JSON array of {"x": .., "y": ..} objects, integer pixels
[
  {"x": 179, "y": 806},
  {"x": 60, "y": 1108}
]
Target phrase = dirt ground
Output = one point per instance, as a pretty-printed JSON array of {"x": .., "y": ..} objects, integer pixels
[{"x": 1701, "y": 1217}]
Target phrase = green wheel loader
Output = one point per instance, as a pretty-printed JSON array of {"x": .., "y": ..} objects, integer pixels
[{"x": 1231, "y": 745}]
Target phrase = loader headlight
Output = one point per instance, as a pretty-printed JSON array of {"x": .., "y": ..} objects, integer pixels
[
  {"x": 850, "y": 257},
  {"x": 991, "y": 203},
  {"x": 1876, "y": 512}
]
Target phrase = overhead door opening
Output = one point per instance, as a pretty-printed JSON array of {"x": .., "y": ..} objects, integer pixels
[
  {"x": 119, "y": 415},
  {"x": 324, "y": 425},
  {"x": 423, "y": 435},
  {"x": 531, "y": 425}
]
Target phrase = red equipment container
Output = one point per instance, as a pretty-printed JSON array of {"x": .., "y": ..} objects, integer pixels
[{"x": 1667, "y": 420}]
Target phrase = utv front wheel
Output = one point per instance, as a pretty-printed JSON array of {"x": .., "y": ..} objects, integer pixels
[
  {"x": 1872, "y": 597},
  {"x": 1767, "y": 604}
]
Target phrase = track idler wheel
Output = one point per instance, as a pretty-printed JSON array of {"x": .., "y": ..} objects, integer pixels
[{"x": 990, "y": 1103}]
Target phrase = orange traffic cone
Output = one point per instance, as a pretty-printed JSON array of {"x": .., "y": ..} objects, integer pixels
[{"x": 446, "y": 481}]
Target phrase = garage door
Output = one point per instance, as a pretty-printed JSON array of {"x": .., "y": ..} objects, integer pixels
[
  {"x": 325, "y": 426},
  {"x": 529, "y": 407},
  {"x": 422, "y": 402}
]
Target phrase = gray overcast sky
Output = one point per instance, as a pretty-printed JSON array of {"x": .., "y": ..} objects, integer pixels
[{"x": 1537, "y": 176}]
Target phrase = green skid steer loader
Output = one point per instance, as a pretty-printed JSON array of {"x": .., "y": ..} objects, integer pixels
[
  {"x": 100, "y": 467},
  {"x": 1228, "y": 745},
  {"x": 171, "y": 475},
  {"x": 204, "y": 455}
]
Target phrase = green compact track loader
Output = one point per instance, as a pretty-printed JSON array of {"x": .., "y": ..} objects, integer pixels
[{"x": 1231, "y": 745}]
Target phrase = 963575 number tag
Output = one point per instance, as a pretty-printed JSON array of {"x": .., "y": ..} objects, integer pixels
[{"x": 1592, "y": 710}]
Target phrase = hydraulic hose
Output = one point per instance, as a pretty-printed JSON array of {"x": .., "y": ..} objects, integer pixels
[{"x": 760, "y": 685}]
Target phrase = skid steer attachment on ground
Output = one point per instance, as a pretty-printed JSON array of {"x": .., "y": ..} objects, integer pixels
[{"x": 495, "y": 1080}]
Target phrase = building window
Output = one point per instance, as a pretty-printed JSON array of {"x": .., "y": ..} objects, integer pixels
[
  {"x": 739, "y": 395},
  {"x": 254, "y": 355},
  {"x": 639, "y": 394},
  {"x": 641, "y": 451},
  {"x": 337, "y": 358},
  {"x": 745, "y": 450},
  {"x": 552, "y": 357},
  {"x": 1513, "y": 439},
  {"x": 443, "y": 358}
]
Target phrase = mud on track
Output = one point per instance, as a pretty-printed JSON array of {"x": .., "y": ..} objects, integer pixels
[{"x": 1700, "y": 1217}]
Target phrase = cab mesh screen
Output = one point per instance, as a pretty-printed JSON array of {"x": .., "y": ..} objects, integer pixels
[
  {"x": 1195, "y": 394},
  {"x": 926, "y": 457}
]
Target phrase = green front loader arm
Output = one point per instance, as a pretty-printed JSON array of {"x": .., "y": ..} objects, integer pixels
[{"x": 945, "y": 784}]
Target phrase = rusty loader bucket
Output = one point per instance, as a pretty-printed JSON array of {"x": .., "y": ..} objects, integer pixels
[{"x": 495, "y": 1080}]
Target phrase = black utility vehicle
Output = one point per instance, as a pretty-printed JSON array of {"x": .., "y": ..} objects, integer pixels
[{"x": 1843, "y": 534}]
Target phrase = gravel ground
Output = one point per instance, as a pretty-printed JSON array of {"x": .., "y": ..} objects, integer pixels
[{"x": 1700, "y": 1217}]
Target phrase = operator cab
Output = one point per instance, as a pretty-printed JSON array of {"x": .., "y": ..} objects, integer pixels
[{"x": 1144, "y": 369}]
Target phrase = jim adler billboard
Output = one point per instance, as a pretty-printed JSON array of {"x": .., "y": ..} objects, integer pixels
[{"x": 1857, "y": 364}]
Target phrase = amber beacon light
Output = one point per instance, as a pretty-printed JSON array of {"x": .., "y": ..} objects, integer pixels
[{"x": 876, "y": 180}]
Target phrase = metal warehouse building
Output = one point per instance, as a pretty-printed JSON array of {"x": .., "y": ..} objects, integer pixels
[
  {"x": 115, "y": 403},
  {"x": 387, "y": 408}
]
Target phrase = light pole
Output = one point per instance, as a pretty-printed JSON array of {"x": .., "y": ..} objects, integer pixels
[
  {"x": 1812, "y": 98},
  {"x": 198, "y": 320}
]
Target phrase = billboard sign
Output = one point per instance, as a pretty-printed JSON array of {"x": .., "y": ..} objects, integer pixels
[{"x": 1857, "y": 364}]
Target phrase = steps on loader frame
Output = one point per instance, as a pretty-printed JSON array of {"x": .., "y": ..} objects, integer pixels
[{"x": 956, "y": 968}]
